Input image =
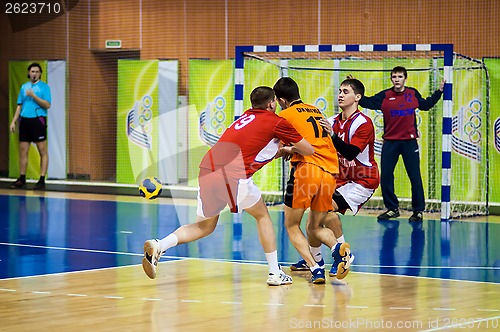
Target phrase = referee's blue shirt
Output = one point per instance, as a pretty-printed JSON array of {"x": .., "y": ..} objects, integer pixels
[{"x": 30, "y": 108}]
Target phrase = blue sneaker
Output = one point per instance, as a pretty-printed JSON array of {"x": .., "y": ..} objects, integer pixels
[
  {"x": 341, "y": 259},
  {"x": 333, "y": 270},
  {"x": 318, "y": 276},
  {"x": 302, "y": 265}
]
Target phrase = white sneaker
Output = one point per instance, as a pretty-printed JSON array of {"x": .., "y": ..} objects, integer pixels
[
  {"x": 277, "y": 280},
  {"x": 152, "y": 254}
]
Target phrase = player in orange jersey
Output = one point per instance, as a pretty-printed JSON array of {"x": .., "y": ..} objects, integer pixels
[{"x": 312, "y": 178}]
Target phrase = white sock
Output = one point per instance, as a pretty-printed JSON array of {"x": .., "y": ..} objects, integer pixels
[
  {"x": 272, "y": 262},
  {"x": 316, "y": 253},
  {"x": 341, "y": 239},
  {"x": 316, "y": 266},
  {"x": 168, "y": 242}
]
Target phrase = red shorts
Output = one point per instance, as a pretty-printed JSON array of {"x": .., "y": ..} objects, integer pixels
[{"x": 310, "y": 186}]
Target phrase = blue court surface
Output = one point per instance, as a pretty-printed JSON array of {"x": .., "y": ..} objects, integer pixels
[{"x": 45, "y": 235}]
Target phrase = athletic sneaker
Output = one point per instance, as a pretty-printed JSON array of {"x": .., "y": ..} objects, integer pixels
[
  {"x": 302, "y": 265},
  {"x": 318, "y": 276},
  {"x": 416, "y": 216},
  {"x": 333, "y": 270},
  {"x": 341, "y": 259},
  {"x": 391, "y": 213},
  {"x": 152, "y": 254},
  {"x": 18, "y": 184},
  {"x": 277, "y": 280}
]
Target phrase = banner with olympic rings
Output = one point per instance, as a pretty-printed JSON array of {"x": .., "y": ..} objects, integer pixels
[
  {"x": 137, "y": 120},
  {"x": 468, "y": 136},
  {"x": 493, "y": 65},
  {"x": 211, "y": 108}
]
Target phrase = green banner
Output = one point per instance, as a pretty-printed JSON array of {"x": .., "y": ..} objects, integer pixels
[
  {"x": 493, "y": 66},
  {"x": 18, "y": 71},
  {"x": 469, "y": 135},
  {"x": 211, "y": 110},
  {"x": 137, "y": 120}
]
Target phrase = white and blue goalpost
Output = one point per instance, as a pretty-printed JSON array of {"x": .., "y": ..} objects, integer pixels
[{"x": 445, "y": 49}]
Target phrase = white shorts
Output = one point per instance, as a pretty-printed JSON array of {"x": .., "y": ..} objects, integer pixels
[
  {"x": 248, "y": 195},
  {"x": 355, "y": 195}
]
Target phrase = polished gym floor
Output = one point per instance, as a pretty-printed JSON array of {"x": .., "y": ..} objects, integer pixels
[{"x": 76, "y": 257}]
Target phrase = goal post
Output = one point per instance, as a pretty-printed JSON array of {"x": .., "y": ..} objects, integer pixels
[{"x": 281, "y": 54}]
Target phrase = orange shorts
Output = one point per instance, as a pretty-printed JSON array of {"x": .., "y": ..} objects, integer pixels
[{"x": 309, "y": 186}]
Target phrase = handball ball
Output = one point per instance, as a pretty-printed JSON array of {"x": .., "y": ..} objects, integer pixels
[{"x": 150, "y": 188}]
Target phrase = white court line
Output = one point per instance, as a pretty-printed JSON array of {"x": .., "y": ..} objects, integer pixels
[
  {"x": 430, "y": 267},
  {"x": 488, "y": 310},
  {"x": 253, "y": 262},
  {"x": 315, "y": 305}
]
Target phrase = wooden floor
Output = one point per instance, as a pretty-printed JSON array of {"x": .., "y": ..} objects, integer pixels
[{"x": 207, "y": 294}]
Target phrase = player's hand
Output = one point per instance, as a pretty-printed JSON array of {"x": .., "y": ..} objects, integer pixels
[
  {"x": 286, "y": 152},
  {"x": 441, "y": 85},
  {"x": 30, "y": 93},
  {"x": 325, "y": 124}
]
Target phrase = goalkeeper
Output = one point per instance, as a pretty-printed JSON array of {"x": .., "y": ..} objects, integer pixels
[{"x": 398, "y": 105}]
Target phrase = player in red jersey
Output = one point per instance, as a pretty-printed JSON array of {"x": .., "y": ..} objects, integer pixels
[
  {"x": 225, "y": 178},
  {"x": 353, "y": 136}
]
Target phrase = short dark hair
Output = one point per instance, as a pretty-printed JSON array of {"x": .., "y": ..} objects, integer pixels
[
  {"x": 261, "y": 96},
  {"x": 35, "y": 64},
  {"x": 399, "y": 69},
  {"x": 356, "y": 85},
  {"x": 287, "y": 89}
]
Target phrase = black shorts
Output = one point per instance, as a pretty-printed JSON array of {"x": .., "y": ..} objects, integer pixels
[
  {"x": 341, "y": 202},
  {"x": 33, "y": 129}
]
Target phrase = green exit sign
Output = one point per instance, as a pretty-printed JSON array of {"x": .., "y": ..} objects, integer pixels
[{"x": 113, "y": 44}]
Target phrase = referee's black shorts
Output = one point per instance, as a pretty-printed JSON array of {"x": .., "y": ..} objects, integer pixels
[{"x": 33, "y": 129}]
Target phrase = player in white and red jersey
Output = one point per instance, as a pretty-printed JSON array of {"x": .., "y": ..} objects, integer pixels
[
  {"x": 353, "y": 136},
  {"x": 225, "y": 178}
]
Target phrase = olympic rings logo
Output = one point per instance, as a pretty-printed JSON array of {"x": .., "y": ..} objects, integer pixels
[
  {"x": 218, "y": 115},
  {"x": 473, "y": 126},
  {"x": 146, "y": 114},
  {"x": 378, "y": 123},
  {"x": 322, "y": 104},
  {"x": 497, "y": 134}
]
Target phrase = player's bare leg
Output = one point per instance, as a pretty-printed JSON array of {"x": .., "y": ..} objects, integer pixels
[
  {"x": 267, "y": 239},
  {"x": 293, "y": 218}
]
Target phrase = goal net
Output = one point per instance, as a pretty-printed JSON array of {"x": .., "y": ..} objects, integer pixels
[{"x": 453, "y": 135}]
